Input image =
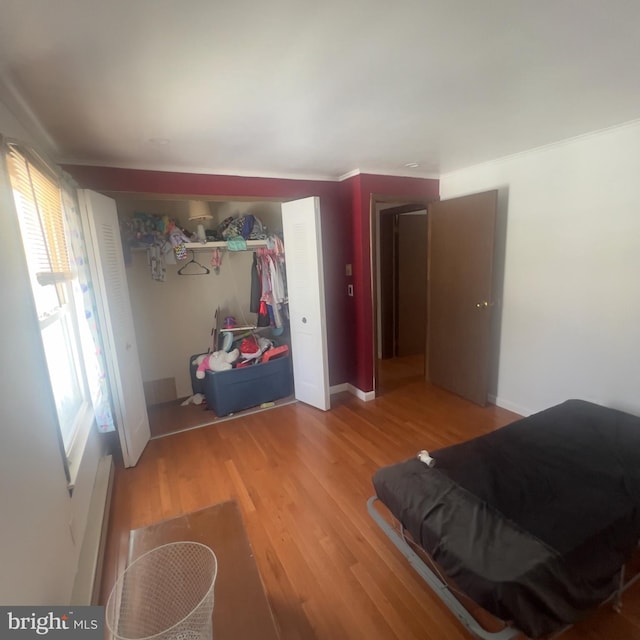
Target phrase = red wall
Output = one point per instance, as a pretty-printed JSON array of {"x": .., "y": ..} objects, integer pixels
[
  {"x": 360, "y": 189},
  {"x": 345, "y": 211},
  {"x": 335, "y": 216},
  {"x": 196, "y": 184}
]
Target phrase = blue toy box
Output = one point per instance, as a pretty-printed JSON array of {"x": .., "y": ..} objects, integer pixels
[{"x": 238, "y": 389}]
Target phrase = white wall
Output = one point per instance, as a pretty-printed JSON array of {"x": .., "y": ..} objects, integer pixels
[
  {"x": 571, "y": 307},
  {"x": 38, "y": 555}
]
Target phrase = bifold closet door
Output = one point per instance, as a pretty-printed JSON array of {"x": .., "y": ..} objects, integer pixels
[
  {"x": 100, "y": 220},
  {"x": 305, "y": 283}
]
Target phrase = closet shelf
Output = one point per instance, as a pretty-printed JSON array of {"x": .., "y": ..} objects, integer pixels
[{"x": 205, "y": 246}]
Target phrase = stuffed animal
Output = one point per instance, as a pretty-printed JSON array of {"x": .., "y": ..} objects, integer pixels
[{"x": 216, "y": 361}]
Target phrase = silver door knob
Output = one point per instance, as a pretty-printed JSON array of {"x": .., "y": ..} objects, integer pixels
[{"x": 484, "y": 304}]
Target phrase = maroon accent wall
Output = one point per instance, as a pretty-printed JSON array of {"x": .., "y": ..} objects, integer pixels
[
  {"x": 335, "y": 222},
  {"x": 361, "y": 188},
  {"x": 196, "y": 184},
  {"x": 344, "y": 207}
]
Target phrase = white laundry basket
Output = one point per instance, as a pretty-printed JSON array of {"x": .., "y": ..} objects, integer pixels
[{"x": 166, "y": 594}]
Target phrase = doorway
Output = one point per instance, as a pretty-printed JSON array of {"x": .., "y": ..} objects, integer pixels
[
  {"x": 399, "y": 257},
  {"x": 461, "y": 320}
]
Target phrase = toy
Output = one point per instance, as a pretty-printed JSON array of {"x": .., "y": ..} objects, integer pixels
[
  {"x": 275, "y": 352},
  {"x": 216, "y": 361}
]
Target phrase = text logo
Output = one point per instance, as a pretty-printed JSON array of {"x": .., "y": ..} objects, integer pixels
[{"x": 54, "y": 623}]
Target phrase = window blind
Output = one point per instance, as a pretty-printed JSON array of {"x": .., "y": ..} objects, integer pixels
[{"x": 41, "y": 218}]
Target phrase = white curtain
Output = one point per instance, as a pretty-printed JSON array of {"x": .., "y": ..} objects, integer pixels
[{"x": 89, "y": 330}]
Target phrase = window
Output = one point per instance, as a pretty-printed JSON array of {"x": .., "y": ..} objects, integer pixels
[{"x": 56, "y": 292}]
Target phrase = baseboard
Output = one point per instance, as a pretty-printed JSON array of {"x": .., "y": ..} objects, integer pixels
[
  {"x": 345, "y": 386},
  {"x": 367, "y": 396},
  {"x": 86, "y": 586},
  {"x": 338, "y": 388},
  {"x": 510, "y": 406}
]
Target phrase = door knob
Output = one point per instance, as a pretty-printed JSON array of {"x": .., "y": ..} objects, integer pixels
[{"x": 484, "y": 304}]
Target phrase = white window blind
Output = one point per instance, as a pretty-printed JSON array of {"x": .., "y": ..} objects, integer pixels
[{"x": 41, "y": 219}]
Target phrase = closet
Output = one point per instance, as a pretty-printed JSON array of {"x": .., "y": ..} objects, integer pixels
[{"x": 174, "y": 314}]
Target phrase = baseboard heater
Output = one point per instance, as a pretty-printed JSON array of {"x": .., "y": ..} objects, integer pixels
[{"x": 86, "y": 587}]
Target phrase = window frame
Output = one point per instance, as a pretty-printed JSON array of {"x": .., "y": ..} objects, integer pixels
[{"x": 67, "y": 313}]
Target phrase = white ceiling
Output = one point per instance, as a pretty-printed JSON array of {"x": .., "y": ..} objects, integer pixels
[{"x": 302, "y": 88}]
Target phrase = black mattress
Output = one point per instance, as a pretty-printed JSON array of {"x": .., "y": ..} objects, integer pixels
[{"x": 532, "y": 521}]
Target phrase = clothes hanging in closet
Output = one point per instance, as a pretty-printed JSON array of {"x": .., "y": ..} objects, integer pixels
[
  {"x": 256, "y": 290},
  {"x": 271, "y": 277}
]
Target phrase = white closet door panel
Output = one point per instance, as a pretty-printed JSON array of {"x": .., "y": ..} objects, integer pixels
[
  {"x": 114, "y": 307},
  {"x": 305, "y": 282}
]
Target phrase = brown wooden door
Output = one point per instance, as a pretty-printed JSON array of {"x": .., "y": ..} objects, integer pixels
[
  {"x": 412, "y": 283},
  {"x": 459, "y": 294},
  {"x": 387, "y": 293}
]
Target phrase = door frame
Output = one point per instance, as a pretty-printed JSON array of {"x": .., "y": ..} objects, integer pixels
[{"x": 404, "y": 205}]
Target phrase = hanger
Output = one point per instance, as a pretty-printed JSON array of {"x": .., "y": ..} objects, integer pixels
[{"x": 193, "y": 260}]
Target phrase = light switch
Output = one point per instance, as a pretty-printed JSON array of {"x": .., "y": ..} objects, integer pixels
[
  {"x": 348, "y": 271},
  {"x": 350, "y": 290}
]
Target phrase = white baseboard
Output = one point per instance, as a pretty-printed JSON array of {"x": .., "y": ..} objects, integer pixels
[
  {"x": 358, "y": 393},
  {"x": 86, "y": 586},
  {"x": 363, "y": 395},
  {"x": 510, "y": 406},
  {"x": 339, "y": 388}
]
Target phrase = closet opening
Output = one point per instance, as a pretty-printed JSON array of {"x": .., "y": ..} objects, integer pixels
[
  {"x": 399, "y": 242},
  {"x": 199, "y": 294}
]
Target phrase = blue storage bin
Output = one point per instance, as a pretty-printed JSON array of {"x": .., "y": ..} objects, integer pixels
[
  {"x": 197, "y": 385},
  {"x": 237, "y": 389}
]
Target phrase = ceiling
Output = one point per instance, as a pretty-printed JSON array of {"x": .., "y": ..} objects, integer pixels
[{"x": 315, "y": 89}]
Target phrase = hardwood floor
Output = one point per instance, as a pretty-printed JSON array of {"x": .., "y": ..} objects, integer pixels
[
  {"x": 172, "y": 417},
  {"x": 302, "y": 478}
]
